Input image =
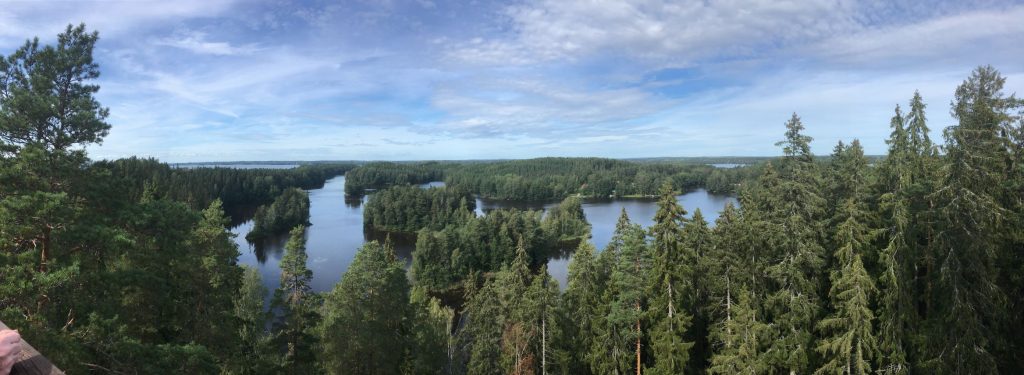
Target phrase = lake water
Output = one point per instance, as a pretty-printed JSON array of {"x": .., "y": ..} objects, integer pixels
[{"x": 337, "y": 230}]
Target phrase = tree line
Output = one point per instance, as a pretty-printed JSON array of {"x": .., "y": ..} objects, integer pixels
[
  {"x": 550, "y": 178},
  {"x": 234, "y": 187}
]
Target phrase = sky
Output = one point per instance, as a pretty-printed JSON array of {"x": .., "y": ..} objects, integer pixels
[{"x": 230, "y": 80}]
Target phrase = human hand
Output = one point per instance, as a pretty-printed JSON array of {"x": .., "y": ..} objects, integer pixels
[{"x": 10, "y": 350}]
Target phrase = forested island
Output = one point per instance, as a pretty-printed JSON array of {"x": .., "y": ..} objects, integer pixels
[
  {"x": 552, "y": 178},
  {"x": 827, "y": 265}
]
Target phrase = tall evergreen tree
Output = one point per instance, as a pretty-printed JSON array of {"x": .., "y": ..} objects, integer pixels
[
  {"x": 583, "y": 306},
  {"x": 430, "y": 344},
  {"x": 742, "y": 337},
  {"x": 969, "y": 311},
  {"x": 364, "y": 327},
  {"x": 850, "y": 343},
  {"x": 297, "y": 307},
  {"x": 794, "y": 304},
  {"x": 895, "y": 307},
  {"x": 672, "y": 293},
  {"x": 629, "y": 303},
  {"x": 255, "y": 353}
]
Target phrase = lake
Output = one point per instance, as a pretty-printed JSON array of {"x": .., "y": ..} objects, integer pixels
[{"x": 337, "y": 230}]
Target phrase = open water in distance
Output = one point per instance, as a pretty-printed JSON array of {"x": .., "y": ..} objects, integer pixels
[{"x": 337, "y": 231}]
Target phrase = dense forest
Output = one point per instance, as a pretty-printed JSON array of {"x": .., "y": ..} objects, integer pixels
[
  {"x": 550, "y": 178},
  {"x": 827, "y": 265},
  {"x": 405, "y": 208},
  {"x": 198, "y": 187},
  {"x": 289, "y": 210}
]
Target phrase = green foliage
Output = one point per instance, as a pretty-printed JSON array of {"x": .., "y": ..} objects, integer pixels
[
  {"x": 850, "y": 342},
  {"x": 408, "y": 209},
  {"x": 380, "y": 175},
  {"x": 297, "y": 308},
  {"x": 46, "y": 95},
  {"x": 289, "y": 210},
  {"x": 970, "y": 309},
  {"x": 742, "y": 337},
  {"x": 366, "y": 315},
  {"x": 235, "y": 187},
  {"x": 125, "y": 266},
  {"x": 672, "y": 286},
  {"x": 621, "y": 341},
  {"x": 430, "y": 340},
  {"x": 567, "y": 223},
  {"x": 542, "y": 178},
  {"x": 255, "y": 353}
]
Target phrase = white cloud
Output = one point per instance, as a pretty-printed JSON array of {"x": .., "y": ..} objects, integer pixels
[
  {"x": 505, "y": 107},
  {"x": 670, "y": 31},
  {"x": 196, "y": 42},
  {"x": 20, "y": 20}
]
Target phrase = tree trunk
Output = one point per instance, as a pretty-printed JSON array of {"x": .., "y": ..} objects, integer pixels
[
  {"x": 543, "y": 345},
  {"x": 728, "y": 311},
  {"x": 638, "y": 341},
  {"x": 44, "y": 255}
]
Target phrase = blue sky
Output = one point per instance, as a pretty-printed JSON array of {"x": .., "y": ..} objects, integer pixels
[{"x": 221, "y": 80}]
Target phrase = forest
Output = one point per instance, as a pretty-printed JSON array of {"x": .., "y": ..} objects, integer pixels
[
  {"x": 551, "y": 178},
  {"x": 909, "y": 264},
  {"x": 289, "y": 210}
]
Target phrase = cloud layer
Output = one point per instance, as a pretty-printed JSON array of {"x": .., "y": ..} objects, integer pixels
[{"x": 302, "y": 80}]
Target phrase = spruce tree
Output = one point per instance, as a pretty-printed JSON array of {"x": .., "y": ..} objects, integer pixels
[
  {"x": 849, "y": 342},
  {"x": 297, "y": 307},
  {"x": 742, "y": 337},
  {"x": 672, "y": 294},
  {"x": 794, "y": 304},
  {"x": 583, "y": 306},
  {"x": 969, "y": 309}
]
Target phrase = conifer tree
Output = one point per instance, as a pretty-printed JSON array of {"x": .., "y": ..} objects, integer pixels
[
  {"x": 849, "y": 343},
  {"x": 297, "y": 306},
  {"x": 583, "y": 306},
  {"x": 969, "y": 311},
  {"x": 628, "y": 304},
  {"x": 742, "y": 337},
  {"x": 672, "y": 290},
  {"x": 700, "y": 241},
  {"x": 255, "y": 354},
  {"x": 364, "y": 328},
  {"x": 895, "y": 307},
  {"x": 794, "y": 304},
  {"x": 430, "y": 344}
]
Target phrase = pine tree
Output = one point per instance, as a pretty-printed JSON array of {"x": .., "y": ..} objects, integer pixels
[{"x": 297, "y": 308}]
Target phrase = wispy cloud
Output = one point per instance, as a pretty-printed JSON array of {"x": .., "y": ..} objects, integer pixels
[
  {"x": 196, "y": 42},
  {"x": 306, "y": 79}
]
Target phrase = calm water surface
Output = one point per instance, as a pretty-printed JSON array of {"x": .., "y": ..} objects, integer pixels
[{"x": 337, "y": 231}]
